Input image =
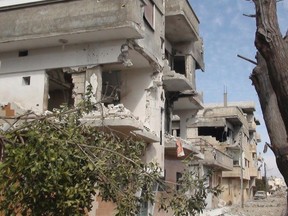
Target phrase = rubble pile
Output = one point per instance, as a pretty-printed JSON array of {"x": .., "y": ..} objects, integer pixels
[{"x": 112, "y": 111}]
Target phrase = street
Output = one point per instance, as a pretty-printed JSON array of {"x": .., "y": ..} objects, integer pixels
[{"x": 272, "y": 205}]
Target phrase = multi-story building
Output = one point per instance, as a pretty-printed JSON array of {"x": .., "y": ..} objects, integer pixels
[
  {"x": 140, "y": 56},
  {"x": 232, "y": 128}
]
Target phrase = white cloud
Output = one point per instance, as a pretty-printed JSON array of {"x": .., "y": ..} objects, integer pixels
[{"x": 218, "y": 21}]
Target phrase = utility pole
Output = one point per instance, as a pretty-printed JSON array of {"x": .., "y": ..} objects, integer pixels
[
  {"x": 265, "y": 176},
  {"x": 241, "y": 171}
]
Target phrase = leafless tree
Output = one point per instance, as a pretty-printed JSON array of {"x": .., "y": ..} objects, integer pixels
[{"x": 270, "y": 78}]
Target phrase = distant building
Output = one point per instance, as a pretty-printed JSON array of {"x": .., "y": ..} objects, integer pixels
[
  {"x": 275, "y": 184},
  {"x": 232, "y": 128}
]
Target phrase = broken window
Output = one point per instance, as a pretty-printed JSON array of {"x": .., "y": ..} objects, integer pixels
[
  {"x": 176, "y": 128},
  {"x": 111, "y": 87},
  {"x": 59, "y": 89}
]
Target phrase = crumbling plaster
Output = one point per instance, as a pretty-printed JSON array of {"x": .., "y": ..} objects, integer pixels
[
  {"x": 61, "y": 57},
  {"x": 30, "y": 97}
]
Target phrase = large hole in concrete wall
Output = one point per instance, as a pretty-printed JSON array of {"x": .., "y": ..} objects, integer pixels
[
  {"x": 111, "y": 86},
  {"x": 60, "y": 89},
  {"x": 219, "y": 133}
]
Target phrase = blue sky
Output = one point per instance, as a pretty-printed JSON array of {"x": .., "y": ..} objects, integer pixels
[{"x": 226, "y": 33}]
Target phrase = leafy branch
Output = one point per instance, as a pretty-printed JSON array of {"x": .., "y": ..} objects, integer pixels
[{"x": 52, "y": 165}]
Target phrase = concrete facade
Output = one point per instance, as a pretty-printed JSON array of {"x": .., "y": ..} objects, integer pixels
[{"x": 126, "y": 49}]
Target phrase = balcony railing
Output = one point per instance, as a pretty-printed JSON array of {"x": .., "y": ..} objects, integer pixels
[
  {"x": 217, "y": 159},
  {"x": 177, "y": 148},
  {"x": 213, "y": 157},
  {"x": 236, "y": 173}
]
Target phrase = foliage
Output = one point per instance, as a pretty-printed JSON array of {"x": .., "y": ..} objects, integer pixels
[
  {"x": 53, "y": 165},
  {"x": 191, "y": 194}
]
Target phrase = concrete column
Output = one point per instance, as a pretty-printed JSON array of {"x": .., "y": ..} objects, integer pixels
[
  {"x": 190, "y": 66},
  {"x": 79, "y": 87},
  {"x": 94, "y": 77}
]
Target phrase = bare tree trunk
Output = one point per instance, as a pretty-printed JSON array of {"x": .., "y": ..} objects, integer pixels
[
  {"x": 270, "y": 78},
  {"x": 271, "y": 45},
  {"x": 273, "y": 119}
]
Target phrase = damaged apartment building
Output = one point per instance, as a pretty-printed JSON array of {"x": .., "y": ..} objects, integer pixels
[
  {"x": 140, "y": 58},
  {"x": 231, "y": 127}
]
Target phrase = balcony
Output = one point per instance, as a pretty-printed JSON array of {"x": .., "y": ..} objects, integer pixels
[
  {"x": 70, "y": 22},
  {"x": 236, "y": 173},
  {"x": 217, "y": 159},
  {"x": 182, "y": 24},
  {"x": 177, "y": 148},
  {"x": 120, "y": 121},
  {"x": 188, "y": 101}
]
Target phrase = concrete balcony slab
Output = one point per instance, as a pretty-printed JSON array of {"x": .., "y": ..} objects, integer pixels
[
  {"x": 173, "y": 151},
  {"x": 119, "y": 120}
]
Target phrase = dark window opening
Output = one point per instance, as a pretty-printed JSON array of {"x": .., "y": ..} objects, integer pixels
[
  {"x": 218, "y": 132},
  {"x": 167, "y": 123},
  {"x": 176, "y": 128},
  {"x": 111, "y": 87},
  {"x": 178, "y": 132},
  {"x": 178, "y": 180},
  {"x": 60, "y": 89},
  {"x": 179, "y": 64},
  {"x": 26, "y": 80},
  {"x": 247, "y": 163},
  {"x": 236, "y": 163},
  {"x": 23, "y": 53}
]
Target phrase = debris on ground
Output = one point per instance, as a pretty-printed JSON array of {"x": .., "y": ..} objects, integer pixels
[{"x": 273, "y": 205}]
